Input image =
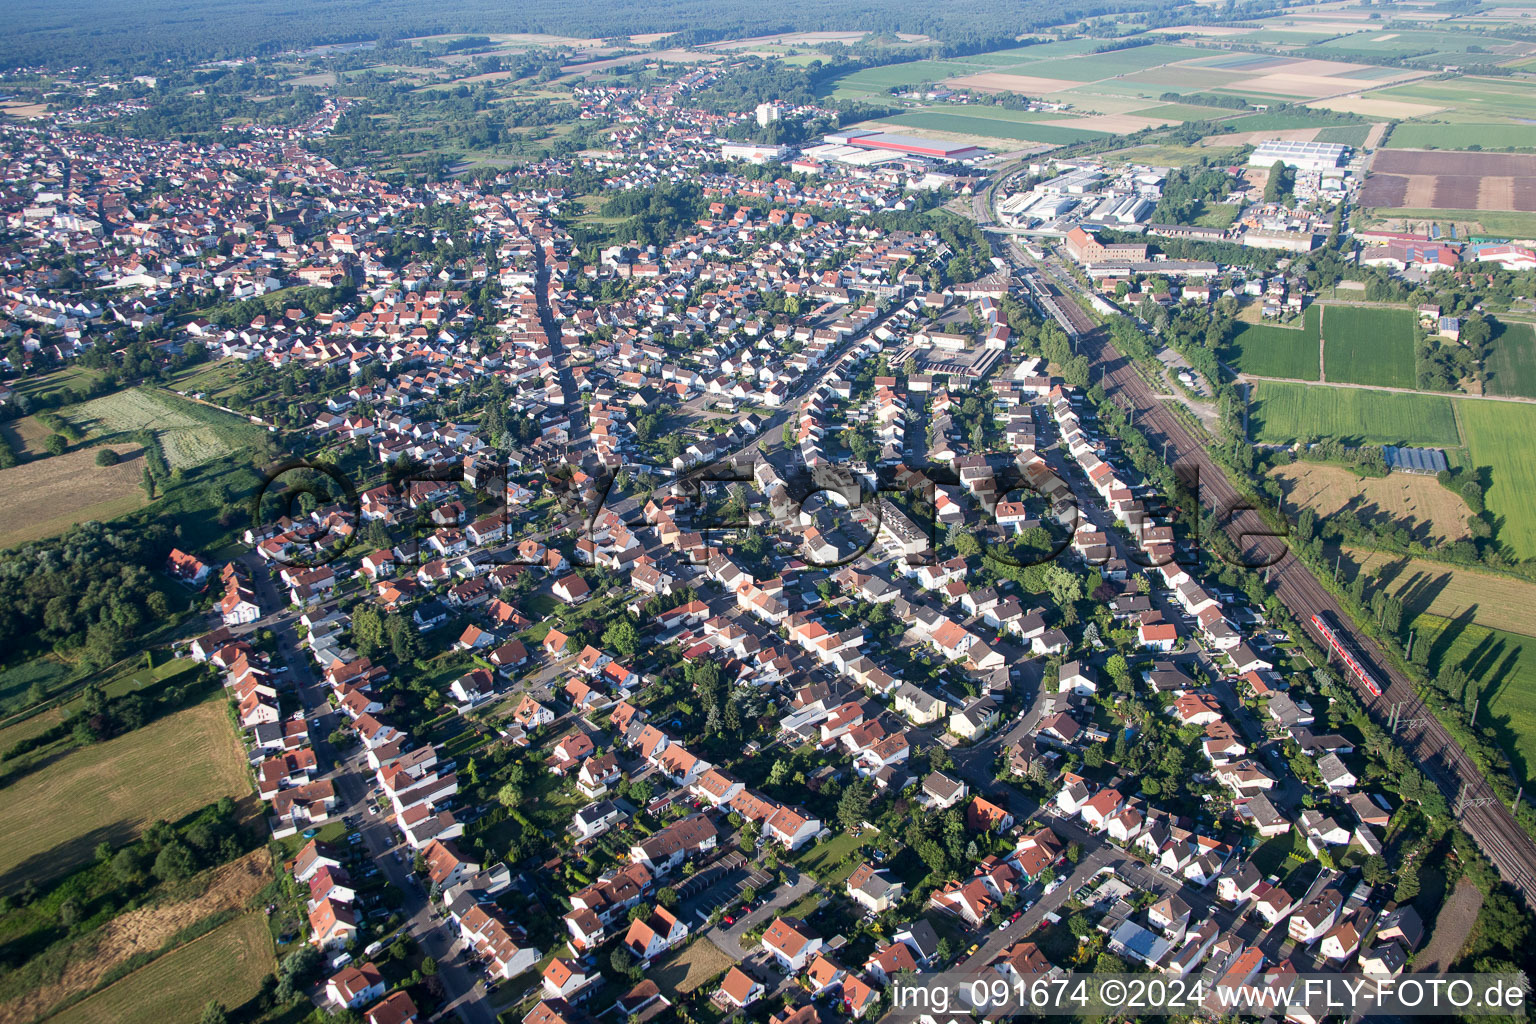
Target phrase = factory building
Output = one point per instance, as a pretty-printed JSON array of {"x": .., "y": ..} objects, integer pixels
[
  {"x": 1304, "y": 156},
  {"x": 906, "y": 145}
]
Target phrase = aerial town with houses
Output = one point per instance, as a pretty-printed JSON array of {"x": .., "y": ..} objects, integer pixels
[{"x": 723, "y": 621}]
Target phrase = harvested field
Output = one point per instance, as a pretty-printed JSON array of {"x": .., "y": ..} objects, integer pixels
[
  {"x": 47, "y": 496},
  {"x": 26, "y": 436},
  {"x": 1451, "y": 591},
  {"x": 1429, "y": 512},
  {"x": 1373, "y": 106},
  {"x": 689, "y": 968},
  {"x": 1289, "y": 83},
  {"x": 166, "y": 769},
  {"x": 1118, "y": 124},
  {"x": 1450, "y": 180},
  {"x": 1254, "y": 138},
  {"x": 1204, "y": 30},
  {"x": 227, "y": 887},
  {"x": 228, "y": 963}
]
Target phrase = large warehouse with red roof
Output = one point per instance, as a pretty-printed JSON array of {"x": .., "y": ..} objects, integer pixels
[{"x": 908, "y": 145}]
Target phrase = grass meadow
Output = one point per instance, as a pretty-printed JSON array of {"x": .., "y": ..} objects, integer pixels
[
  {"x": 1268, "y": 350},
  {"x": 1369, "y": 345},
  {"x": 1499, "y": 439},
  {"x": 1283, "y": 412},
  {"x": 1512, "y": 365}
]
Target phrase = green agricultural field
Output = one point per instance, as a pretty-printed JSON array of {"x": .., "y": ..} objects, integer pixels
[
  {"x": 879, "y": 81},
  {"x": 1471, "y": 100},
  {"x": 1186, "y": 112},
  {"x": 1499, "y": 440},
  {"x": 1501, "y": 223},
  {"x": 1369, "y": 345},
  {"x": 1279, "y": 122},
  {"x": 991, "y": 128},
  {"x": 1266, "y": 350},
  {"x": 1346, "y": 134},
  {"x": 1504, "y": 666},
  {"x": 984, "y": 112},
  {"x": 1394, "y": 43},
  {"x": 1419, "y": 135},
  {"x": 1512, "y": 366},
  {"x": 1173, "y": 156},
  {"x": 1282, "y": 412},
  {"x": 1094, "y": 66}
]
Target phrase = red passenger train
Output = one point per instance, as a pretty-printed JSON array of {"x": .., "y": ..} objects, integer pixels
[{"x": 1345, "y": 650}]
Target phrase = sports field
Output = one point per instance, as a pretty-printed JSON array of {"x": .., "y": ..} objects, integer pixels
[
  {"x": 1282, "y": 412},
  {"x": 227, "y": 964},
  {"x": 1368, "y": 345},
  {"x": 1499, "y": 438},
  {"x": 1512, "y": 365},
  {"x": 166, "y": 769},
  {"x": 1268, "y": 350}
]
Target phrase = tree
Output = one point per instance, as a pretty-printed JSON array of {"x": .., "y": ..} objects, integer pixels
[
  {"x": 106, "y": 457},
  {"x": 1278, "y": 186},
  {"x": 56, "y": 444},
  {"x": 174, "y": 862},
  {"x": 1065, "y": 587},
  {"x": 128, "y": 865},
  {"x": 966, "y": 544},
  {"x": 1093, "y": 756},
  {"x": 622, "y": 637},
  {"x": 213, "y": 1013},
  {"x": 509, "y": 795},
  {"x": 853, "y": 805},
  {"x": 428, "y": 966}
]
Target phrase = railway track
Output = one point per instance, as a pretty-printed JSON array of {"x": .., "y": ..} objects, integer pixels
[{"x": 1491, "y": 825}]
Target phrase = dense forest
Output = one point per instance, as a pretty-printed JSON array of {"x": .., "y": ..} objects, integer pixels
[{"x": 125, "y": 34}]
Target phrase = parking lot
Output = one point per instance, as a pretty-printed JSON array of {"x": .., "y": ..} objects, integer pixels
[{"x": 719, "y": 886}]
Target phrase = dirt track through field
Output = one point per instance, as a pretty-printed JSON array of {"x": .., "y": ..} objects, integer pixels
[{"x": 228, "y": 887}]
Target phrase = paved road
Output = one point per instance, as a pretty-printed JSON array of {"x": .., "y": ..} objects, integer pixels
[{"x": 353, "y": 780}]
